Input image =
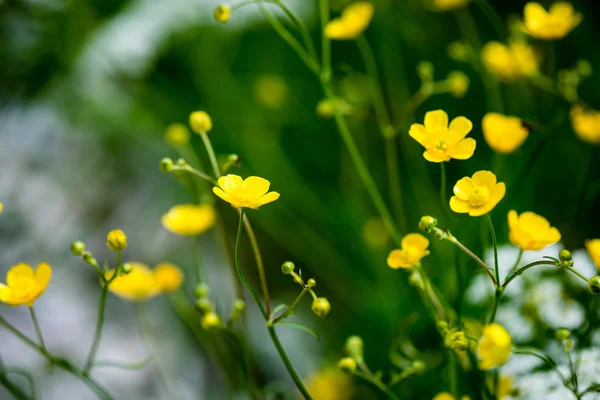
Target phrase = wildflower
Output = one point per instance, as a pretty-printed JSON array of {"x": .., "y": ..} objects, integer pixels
[
  {"x": 354, "y": 20},
  {"x": 23, "y": 285},
  {"x": 330, "y": 384},
  {"x": 553, "y": 24},
  {"x": 495, "y": 346},
  {"x": 200, "y": 121},
  {"x": 321, "y": 307},
  {"x": 530, "y": 231},
  {"x": 210, "y": 320},
  {"x": 168, "y": 277},
  {"x": 189, "y": 219},
  {"x": 414, "y": 248},
  {"x": 250, "y": 192},
  {"x": 116, "y": 240},
  {"x": 593, "y": 249},
  {"x": 347, "y": 364},
  {"x": 446, "y": 5},
  {"x": 477, "y": 195},
  {"x": 222, "y": 13},
  {"x": 138, "y": 284},
  {"x": 510, "y": 62},
  {"x": 177, "y": 135},
  {"x": 443, "y": 142},
  {"x": 504, "y": 134},
  {"x": 271, "y": 91},
  {"x": 586, "y": 124}
]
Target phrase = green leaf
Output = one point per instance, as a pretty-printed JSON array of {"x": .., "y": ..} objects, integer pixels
[
  {"x": 280, "y": 307},
  {"x": 301, "y": 327}
]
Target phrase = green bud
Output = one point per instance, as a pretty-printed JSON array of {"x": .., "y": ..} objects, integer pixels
[
  {"x": 202, "y": 290},
  {"x": 126, "y": 268},
  {"x": 166, "y": 165},
  {"x": 354, "y": 346},
  {"x": 210, "y": 321},
  {"x": 425, "y": 71},
  {"x": 565, "y": 255},
  {"x": 239, "y": 305},
  {"x": 442, "y": 326},
  {"x": 427, "y": 223},
  {"x": 321, "y": 307},
  {"x": 562, "y": 334},
  {"x": 181, "y": 162},
  {"x": 77, "y": 248},
  {"x": 311, "y": 283},
  {"x": 287, "y": 267},
  {"x": 418, "y": 366},
  {"x": 347, "y": 364},
  {"x": 594, "y": 285},
  {"x": 458, "y": 341},
  {"x": 205, "y": 305},
  {"x": 584, "y": 68}
]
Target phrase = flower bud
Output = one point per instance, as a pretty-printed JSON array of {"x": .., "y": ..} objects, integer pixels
[
  {"x": 458, "y": 51},
  {"x": 181, "y": 163},
  {"x": 594, "y": 285},
  {"x": 565, "y": 255},
  {"x": 347, "y": 364},
  {"x": 222, "y": 13},
  {"x": 166, "y": 165},
  {"x": 116, "y": 240},
  {"x": 287, "y": 267},
  {"x": 239, "y": 305},
  {"x": 200, "y": 121},
  {"x": 89, "y": 258},
  {"x": 442, "y": 326},
  {"x": 427, "y": 223},
  {"x": 126, "y": 268},
  {"x": 458, "y": 341},
  {"x": 584, "y": 68},
  {"x": 354, "y": 346},
  {"x": 425, "y": 71},
  {"x": 321, "y": 307},
  {"x": 568, "y": 345},
  {"x": 177, "y": 135},
  {"x": 562, "y": 334},
  {"x": 205, "y": 305},
  {"x": 418, "y": 366},
  {"x": 210, "y": 321},
  {"x": 201, "y": 290},
  {"x": 459, "y": 83},
  {"x": 77, "y": 248},
  {"x": 311, "y": 283}
]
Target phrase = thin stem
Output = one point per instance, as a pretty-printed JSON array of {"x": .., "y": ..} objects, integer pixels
[
  {"x": 308, "y": 42},
  {"x": 574, "y": 380},
  {"x": 211, "y": 154},
  {"x": 24, "y": 374},
  {"x": 368, "y": 376},
  {"x": 495, "y": 244},
  {"x": 194, "y": 171},
  {"x": 13, "y": 389},
  {"x": 523, "y": 269},
  {"x": 290, "y": 308},
  {"x": 452, "y": 370},
  {"x": 38, "y": 331},
  {"x": 391, "y": 158},
  {"x": 443, "y": 185},
  {"x": 518, "y": 258},
  {"x": 418, "y": 98},
  {"x": 325, "y": 42},
  {"x": 544, "y": 358},
  {"x": 479, "y": 261},
  {"x": 579, "y": 274},
  {"x": 493, "y": 17},
  {"x": 196, "y": 260},
  {"x": 497, "y": 296},
  {"x": 121, "y": 365},
  {"x": 98, "y": 333}
]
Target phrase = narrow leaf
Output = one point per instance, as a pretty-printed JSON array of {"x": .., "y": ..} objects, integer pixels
[{"x": 301, "y": 327}]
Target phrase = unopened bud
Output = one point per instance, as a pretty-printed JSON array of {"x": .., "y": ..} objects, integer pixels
[
  {"x": 287, "y": 267},
  {"x": 201, "y": 290},
  {"x": 594, "y": 285},
  {"x": 311, "y": 283},
  {"x": 347, "y": 364},
  {"x": 210, "y": 321},
  {"x": 222, "y": 13},
  {"x": 239, "y": 305},
  {"x": 425, "y": 71},
  {"x": 562, "y": 334},
  {"x": 166, "y": 165},
  {"x": 116, "y": 240},
  {"x": 458, "y": 341},
  {"x": 177, "y": 135},
  {"x": 126, "y": 268},
  {"x": 418, "y": 366},
  {"x": 321, "y": 307},
  {"x": 205, "y": 305},
  {"x": 565, "y": 255},
  {"x": 427, "y": 223},
  {"x": 77, "y": 248},
  {"x": 181, "y": 162},
  {"x": 354, "y": 346},
  {"x": 200, "y": 121}
]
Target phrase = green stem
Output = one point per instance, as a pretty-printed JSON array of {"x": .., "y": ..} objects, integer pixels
[
  {"x": 493, "y": 17},
  {"x": 308, "y": 42},
  {"x": 13, "y": 389},
  {"x": 325, "y": 42},
  {"x": 288, "y": 363},
  {"x": 391, "y": 158},
  {"x": 259, "y": 263},
  {"x": 452, "y": 370},
  {"x": 497, "y": 296},
  {"x": 98, "y": 333},
  {"x": 518, "y": 258},
  {"x": 544, "y": 358},
  {"x": 523, "y": 269},
  {"x": 418, "y": 98},
  {"x": 196, "y": 260},
  {"x": 579, "y": 274},
  {"x": 455, "y": 241},
  {"x": 290, "y": 308},
  {"x": 367, "y": 375},
  {"x": 38, "y": 331},
  {"x": 211, "y": 154},
  {"x": 194, "y": 171},
  {"x": 495, "y": 244}
]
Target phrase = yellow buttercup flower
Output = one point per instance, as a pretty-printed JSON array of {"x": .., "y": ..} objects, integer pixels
[
  {"x": 168, "y": 277},
  {"x": 586, "y": 124},
  {"x": 593, "y": 249},
  {"x": 445, "y": 5},
  {"x": 354, "y": 20},
  {"x": 443, "y": 142},
  {"x": 494, "y": 347},
  {"x": 504, "y": 134},
  {"x": 250, "y": 192},
  {"x": 414, "y": 248},
  {"x": 141, "y": 283},
  {"x": 553, "y": 24},
  {"x": 23, "y": 285},
  {"x": 477, "y": 195},
  {"x": 177, "y": 135},
  {"x": 330, "y": 384},
  {"x": 530, "y": 231},
  {"x": 189, "y": 219},
  {"x": 512, "y": 61}
]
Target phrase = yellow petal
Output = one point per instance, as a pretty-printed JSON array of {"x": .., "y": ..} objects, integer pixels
[
  {"x": 230, "y": 182},
  {"x": 419, "y": 133},
  {"x": 496, "y": 195},
  {"x": 256, "y": 186},
  {"x": 534, "y": 11},
  {"x": 221, "y": 194},
  {"x": 464, "y": 149},
  {"x": 268, "y": 198},
  {"x": 561, "y": 9},
  {"x": 335, "y": 29},
  {"x": 18, "y": 272},
  {"x": 168, "y": 277},
  {"x": 436, "y": 119},
  {"x": 415, "y": 240},
  {"x": 513, "y": 219},
  {"x": 463, "y": 188},
  {"x": 5, "y": 294},
  {"x": 484, "y": 178},
  {"x": 459, "y": 206},
  {"x": 460, "y": 127},
  {"x": 43, "y": 273},
  {"x": 395, "y": 259},
  {"x": 434, "y": 155},
  {"x": 553, "y": 235}
]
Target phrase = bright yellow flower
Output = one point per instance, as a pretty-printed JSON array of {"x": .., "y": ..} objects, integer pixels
[
  {"x": 443, "y": 142},
  {"x": 494, "y": 347},
  {"x": 445, "y": 5},
  {"x": 504, "y": 134},
  {"x": 593, "y": 248},
  {"x": 586, "y": 124},
  {"x": 23, "y": 285},
  {"x": 354, "y": 20},
  {"x": 189, "y": 219},
  {"x": 510, "y": 62},
  {"x": 330, "y": 384},
  {"x": 142, "y": 283},
  {"x": 250, "y": 192},
  {"x": 168, "y": 277},
  {"x": 477, "y": 195},
  {"x": 530, "y": 231},
  {"x": 414, "y": 248},
  {"x": 553, "y": 24},
  {"x": 177, "y": 135}
]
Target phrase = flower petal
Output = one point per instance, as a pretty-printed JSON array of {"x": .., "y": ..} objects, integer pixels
[
  {"x": 5, "y": 294},
  {"x": 460, "y": 127},
  {"x": 256, "y": 186},
  {"x": 513, "y": 219},
  {"x": 463, "y": 188},
  {"x": 534, "y": 11},
  {"x": 419, "y": 133},
  {"x": 230, "y": 182},
  {"x": 268, "y": 198},
  {"x": 464, "y": 149},
  {"x": 498, "y": 193},
  {"x": 434, "y": 155},
  {"x": 459, "y": 206},
  {"x": 43, "y": 273},
  {"x": 415, "y": 240},
  {"x": 436, "y": 119},
  {"x": 219, "y": 192},
  {"x": 562, "y": 10},
  {"x": 18, "y": 272},
  {"x": 485, "y": 178}
]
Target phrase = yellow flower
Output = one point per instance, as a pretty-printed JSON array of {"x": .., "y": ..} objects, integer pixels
[
  {"x": 1, "y": 207},
  {"x": 443, "y": 396},
  {"x": 23, "y": 285},
  {"x": 200, "y": 121},
  {"x": 593, "y": 248},
  {"x": 445, "y": 5},
  {"x": 510, "y": 62},
  {"x": 443, "y": 142},
  {"x": 177, "y": 135},
  {"x": 116, "y": 240},
  {"x": 141, "y": 283},
  {"x": 330, "y": 384},
  {"x": 530, "y": 231},
  {"x": 222, "y": 13},
  {"x": 168, "y": 277},
  {"x": 553, "y": 24},
  {"x": 189, "y": 219},
  {"x": 250, "y": 192},
  {"x": 505, "y": 386},
  {"x": 354, "y": 20},
  {"x": 504, "y": 134},
  {"x": 494, "y": 347},
  {"x": 414, "y": 248},
  {"x": 586, "y": 124},
  {"x": 477, "y": 195}
]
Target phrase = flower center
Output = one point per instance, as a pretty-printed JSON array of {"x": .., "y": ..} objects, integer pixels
[
  {"x": 411, "y": 254},
  {"x": 441, "y": 145},
  {"x": 479, "y": 196}
]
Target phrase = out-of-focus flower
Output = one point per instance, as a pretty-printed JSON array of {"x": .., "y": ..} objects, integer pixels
[
  {"x": 330, "y": 384},
  {"x": 142, "y": 283},
  {"x": 200, "y": 121},
  {"x": 1, "y": 207},
  {"x": 459, "y": 83},
  {"x": 270, "y": 90},
  {"x": 354, "y": 20},
  {"x": 494, "y": 347},
  {"x": 443, "y": 396},
  {"x": 445, "y": 5},
  {"x": 250, "y": 192},
  {"x": 586, "y": 124},
  {"x": 530, "y": 231},
  {"x": 177, "y": 135},
  {"x": 553, "y": 24},
  {"x": 505, "y": 386},
  {"x": 414, "y": 248},
  {"x": 189, "y": 219},
  {"x": 504, "y": 134},
  {"x": 168, "y": 277},
  {"x": 510, "y": 62},
  {"x": 375, "y": 233},
  {"x": 222, "y": 13},
  {"x": 477, "y": 195},
  {"x": 593, "y": 249},
  {"x": 443, "y": 142},
  {"x": 458, "y": 51},
  {"x": 210, "y": 320},
  {"x": 23, "y": 285}
]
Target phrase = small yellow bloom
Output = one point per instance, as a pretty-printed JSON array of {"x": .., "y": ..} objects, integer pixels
[
  {"x": 593, "y": 249},
  {"x": 553, "y": 24},
  {"x": 477, "y": 195},
  {"x": 330, "y": 384},
  {"x": 200, "y": 121},
  {"x": 530, "y": 231},
  {"x": 586, "y": 124},
  {"x": 168, "y": 277},
  {"x": 443, "y": 142},
  {"x": 495, "y": 346},
  {"x": 116, "y": 240},
  {"x": 222, "y": 13},
  {"x": 510, "y": 62},
  {"x": 504, "y": 134},
  {"x": 446, "y": 5},
  {"x": 177, "y": 135},
  {"x": 141, "y": 283},
  {"x": 189, "y": 219},
  {"x": 414, "y": 248},
  {"x": 354, "y": 20},
  {"x": 250, "y": 192},
  {"x": 23, "y": 285}
]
